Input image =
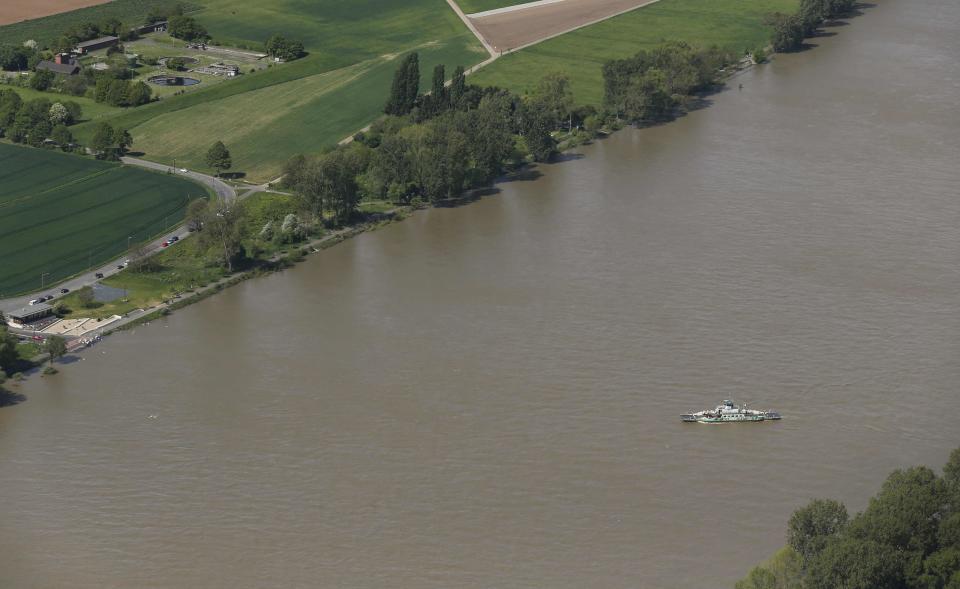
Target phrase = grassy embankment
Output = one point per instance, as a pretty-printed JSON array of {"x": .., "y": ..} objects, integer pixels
[
  {"x": 734, "y": 24},
  {"x": 60, "y": 213},
  {"x": 184, "y": 268},
  {"x": 307, "y": 104}
]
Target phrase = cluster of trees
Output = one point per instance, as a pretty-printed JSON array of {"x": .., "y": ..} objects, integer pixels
[
  {"x": 220, "y": 229},
  {"x": 285, "y": 49},
  {"x": 186, "y": 28},
  {"x": 649, "y": 86},
  {"x": 15, "y": 58},
  {"x": 789, "y": 30},
  {"x": 119, "y": 92},
  {"x": 110, "y": 143},
  {"x": 34, "y": 121},
  {"x": 908, "y": 537}
]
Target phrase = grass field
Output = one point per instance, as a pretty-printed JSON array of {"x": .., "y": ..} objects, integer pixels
[
  {"x": 59, "y": 213},
  {"x": 736, "y": 24},
  {"x": 305, "y": 105},
  {"x": 46, "y": 29}
]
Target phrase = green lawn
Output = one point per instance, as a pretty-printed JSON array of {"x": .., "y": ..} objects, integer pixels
[
  {"x": 61, "y": 212},
  {"x": 736, "y": 24},
  {"x": 47, "y": 29},
  {"x": 472, "y": 6}
]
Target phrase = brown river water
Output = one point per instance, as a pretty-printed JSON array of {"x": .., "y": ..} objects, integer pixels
[{"x": 489, "y": 396}]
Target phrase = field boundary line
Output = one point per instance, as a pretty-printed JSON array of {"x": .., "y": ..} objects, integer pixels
[
  {"x": 58, "y": 187},
  {"x": 513, "y": 8}
]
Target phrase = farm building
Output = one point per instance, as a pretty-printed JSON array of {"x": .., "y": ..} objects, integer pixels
[
  {"x": 28, "y": 314},
  {"x": 94, "y": 44},
  {"x": 157, "y": 27}
]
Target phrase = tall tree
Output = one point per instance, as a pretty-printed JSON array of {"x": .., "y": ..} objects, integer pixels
[
  {"x": 102, "y": 141},
  {"x": 405, "y": 87},
  {"x": 458, "y": 88},
  {"x": 56, "y": 347},
  {"x": 218, "y": 157}
]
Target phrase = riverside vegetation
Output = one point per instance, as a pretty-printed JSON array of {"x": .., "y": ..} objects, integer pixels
[{"x": 908, "y": 537}]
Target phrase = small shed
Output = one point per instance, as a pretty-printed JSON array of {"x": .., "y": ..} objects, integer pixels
[
  {"x": 94, "y": 44},
  {"x": 29, "y": 314}
]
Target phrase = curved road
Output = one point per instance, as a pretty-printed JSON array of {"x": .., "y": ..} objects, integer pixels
[{"x": 223, "y": 190}]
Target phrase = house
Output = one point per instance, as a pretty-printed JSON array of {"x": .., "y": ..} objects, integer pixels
[
  {"x": 25, "y": 315},
  {"x": 94, "y": 44},
  {"x": 64, "y": 66}
]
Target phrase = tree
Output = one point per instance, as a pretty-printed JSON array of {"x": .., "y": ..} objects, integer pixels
[
  {"x": 62, "y": 136},
  {"x": 86, "y": 297},
  {"x": 458, "y": 88},
  {"x": 218, "y": 157},
  {"x": 56, "y": 347},
  {"x": 538, "y": 124},
  {"x": 186, "y": 28},
  {"x": 405, "y": 87},
  {"x": 553, "y": 92},
  {"x": 42, "y": 80},
  {"x": 14, "y": 58},
  {"x": 102, "y": 141},
  {"x": 59, "y": 114},
  {"x": 8, "y": 348},
  {"x": 787, "y": 31},
  {"x": 137, "y": 93},
  {"x": 176, "y": 63},
  {"x": 810, "y": 527},
  {"x": 196, "y": 214},
  {"x": 222, "y": 230},
  {"x": 122, "y": 140},
  {"x": 951, "y": 472}
]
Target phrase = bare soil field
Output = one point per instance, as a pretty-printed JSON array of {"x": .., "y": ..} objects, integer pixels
[
  {"x": 517, "y": 28},
  {"x": 18, "y": 10}
]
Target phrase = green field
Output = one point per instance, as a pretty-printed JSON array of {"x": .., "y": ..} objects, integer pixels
[
  {"x": 46, "y": 29},
  {"x": 735, "y": 24},
  {"x": 472, "y": 6},
  {"x": 306, "y": 105},
  {"x": 60, "y": 212}
]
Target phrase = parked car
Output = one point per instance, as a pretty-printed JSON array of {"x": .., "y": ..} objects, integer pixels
[
  {"x": 174, "y": 238},
  {"x": 35, "y": 301},
  {"x": 120, "y": 266},
  {"x": 64, "y": 290},
  {"x": 99, "y": 274},
  {"x": 165, "y": 244},
  {"x": 47, "y": 298}
]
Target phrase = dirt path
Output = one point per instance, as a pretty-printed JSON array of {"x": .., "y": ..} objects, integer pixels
[{"x": 18, "y": 10}]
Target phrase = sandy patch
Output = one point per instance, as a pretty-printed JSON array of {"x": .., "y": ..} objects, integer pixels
[
  {"x": 516, "y": 28},
  {"x": 18, "y": 10}
]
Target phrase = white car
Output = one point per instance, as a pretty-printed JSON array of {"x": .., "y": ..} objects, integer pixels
[
  {"x": 183, "y": 170},
  {"x": 34, "y": 301}
]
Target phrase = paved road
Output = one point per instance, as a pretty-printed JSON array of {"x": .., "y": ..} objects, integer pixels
[{"x": 224, "y": 191}]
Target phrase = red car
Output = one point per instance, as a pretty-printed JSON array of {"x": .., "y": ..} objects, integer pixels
[{"x": 165, "y": 244}]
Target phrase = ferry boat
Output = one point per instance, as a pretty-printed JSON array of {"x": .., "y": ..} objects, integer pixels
[{"x": 728, "y": 412}]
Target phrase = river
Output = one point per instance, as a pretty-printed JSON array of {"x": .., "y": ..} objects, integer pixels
[{"x": 489, "y": 395}]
